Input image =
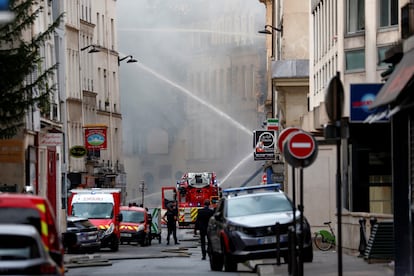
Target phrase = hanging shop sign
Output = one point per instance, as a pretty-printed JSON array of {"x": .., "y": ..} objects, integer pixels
[
  {"x": 78, "y": 151},
  {"x": 95, "y": 138}
]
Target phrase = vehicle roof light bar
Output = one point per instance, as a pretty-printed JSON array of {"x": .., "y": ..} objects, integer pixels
[{"x": 251, "y": 189}]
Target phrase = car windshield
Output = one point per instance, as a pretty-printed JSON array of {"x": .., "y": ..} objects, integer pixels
[
  {"x": 132, "y": 216},
  {"x": 20, "y": 216},
  {"x": 15, "y": 247},
  {"x": 92, "y": 210},
  {"x": 258, "y": 204}
]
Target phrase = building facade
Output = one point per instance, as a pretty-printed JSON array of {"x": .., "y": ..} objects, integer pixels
[
  {"x": 394, "y": 101},
  {"x": 347, "y": 38},
  {"x": 31, "y": 160},
  {"x": 53, "y": 153},
  {"x": 93, "y": 114}
]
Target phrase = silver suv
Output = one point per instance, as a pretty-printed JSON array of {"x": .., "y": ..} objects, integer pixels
[{"x": 243, "y": 227}]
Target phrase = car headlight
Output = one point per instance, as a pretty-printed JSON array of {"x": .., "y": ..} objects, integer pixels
[
  {"x": 110, "y": 229},
  {"x": 140, "y": 228},
  {"x": 235, "y": 227},
  {"x": 80, "y": 237}
]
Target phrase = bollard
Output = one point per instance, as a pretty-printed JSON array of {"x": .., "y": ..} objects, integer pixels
[
  {"x": 362, "y": 238},
  {"x": 292, "y": 255},
  {"x": 277, "y": 230}
]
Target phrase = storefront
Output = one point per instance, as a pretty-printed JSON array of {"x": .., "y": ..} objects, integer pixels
[{"x": 398, "y": 98}]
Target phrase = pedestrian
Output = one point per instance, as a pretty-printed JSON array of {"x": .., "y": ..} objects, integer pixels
[
  {"x": 172, "y": 216},
  {"x": 201, "y": 224}
]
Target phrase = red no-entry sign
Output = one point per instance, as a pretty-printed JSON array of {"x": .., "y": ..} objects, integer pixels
[
  {"x": 301, "y": 145},
  {"x": 299, "y": 148},
  {"x": 283, "y": 135}
]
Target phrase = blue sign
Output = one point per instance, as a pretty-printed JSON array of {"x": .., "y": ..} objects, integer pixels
[
  {"x": 4, "y": 5},
  {"x": 362, "y": 95}
]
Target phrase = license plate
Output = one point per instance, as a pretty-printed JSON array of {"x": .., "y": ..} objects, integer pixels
[
  {"x": 126, "y": 235},
  {"x": 267, "y": 240},
  {"x": 92, "y": 237}
]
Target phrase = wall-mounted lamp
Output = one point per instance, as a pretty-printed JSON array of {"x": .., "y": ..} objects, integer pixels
[
  {"x": 92, "y": 50},
  {"x": 130, "y": 58},
  {"x": 267, "y": 31}
]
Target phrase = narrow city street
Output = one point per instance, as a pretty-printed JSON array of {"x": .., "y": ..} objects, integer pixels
[{"x": 156, "y": 259}]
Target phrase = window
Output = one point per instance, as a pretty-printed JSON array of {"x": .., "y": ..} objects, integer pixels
[
  {"x": 355, "y": 60},
  {"x": 381, "y": 55},
  {"x": 355, "y": 16},
  {"x": 388, "y": 13}
]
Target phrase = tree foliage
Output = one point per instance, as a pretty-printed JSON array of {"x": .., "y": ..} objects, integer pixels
[{"x": 24, "y": 82}]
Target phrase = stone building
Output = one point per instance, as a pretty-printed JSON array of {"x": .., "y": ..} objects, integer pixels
[
  {"x": 348, "y": 39},
  {"x": 93, "y": 117}
]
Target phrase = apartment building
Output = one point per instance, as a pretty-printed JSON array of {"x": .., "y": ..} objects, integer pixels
[
  {"x": 358, "y": 41},
  {"x": 75, "y": 140},
  {"x": 30, "y": 160},
  {"x": 93, "y": 116}
]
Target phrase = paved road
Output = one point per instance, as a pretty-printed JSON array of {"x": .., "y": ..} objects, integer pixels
[{"x": 326, "y": 264}]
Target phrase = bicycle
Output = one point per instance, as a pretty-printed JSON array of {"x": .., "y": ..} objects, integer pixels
[{"x": 324, "y": 239}]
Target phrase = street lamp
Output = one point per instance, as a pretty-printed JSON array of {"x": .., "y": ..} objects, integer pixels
[
  {"x": 130, "y": 58},
  {"x": 267, "y": 31},
  {"x": 270, "y": 32},
  {"x": 93, "y": 49}
]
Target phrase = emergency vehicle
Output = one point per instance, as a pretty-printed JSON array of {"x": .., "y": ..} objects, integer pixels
[
  {"x": 34, "y": 210},
  {"x": 102, "y": 208},
  {"x": 190, "y": 193},
  {"x": 135, "y": 225}
]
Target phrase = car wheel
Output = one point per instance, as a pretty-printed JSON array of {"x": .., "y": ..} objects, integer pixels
[
  {"x": 216, "y": 260},
  {"x": 229, "y": 264}
]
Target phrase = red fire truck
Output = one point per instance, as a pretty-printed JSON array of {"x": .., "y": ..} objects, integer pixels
[{"x": 190, "y": 193}]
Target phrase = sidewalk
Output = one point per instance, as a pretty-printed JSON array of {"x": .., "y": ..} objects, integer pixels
[{"x": 326, "y": 264}]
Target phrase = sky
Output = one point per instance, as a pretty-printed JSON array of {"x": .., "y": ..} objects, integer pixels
[{"x": 159, "y": 33}]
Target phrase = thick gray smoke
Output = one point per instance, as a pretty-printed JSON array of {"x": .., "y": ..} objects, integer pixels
[{"x": 171, "y": 39}]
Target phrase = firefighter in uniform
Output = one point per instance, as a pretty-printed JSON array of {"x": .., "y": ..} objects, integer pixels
[
  {"x": 201, "y": 224},
  {"x": 172, "y": 217}
]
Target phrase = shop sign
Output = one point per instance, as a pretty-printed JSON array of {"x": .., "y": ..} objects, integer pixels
[{"x": 95, "y": 138}]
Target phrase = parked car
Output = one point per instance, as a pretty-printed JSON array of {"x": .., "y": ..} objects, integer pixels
[
  {"x": 80, "y": 235},
  {"x": 22, "y": 252},
  {"x": 135, "y": 225},
  {"x": 36, "y": 211},
  {"x": 243, "y": 227}
]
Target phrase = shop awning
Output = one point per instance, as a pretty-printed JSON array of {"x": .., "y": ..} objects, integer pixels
[{"x": 398, "y": 80}]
